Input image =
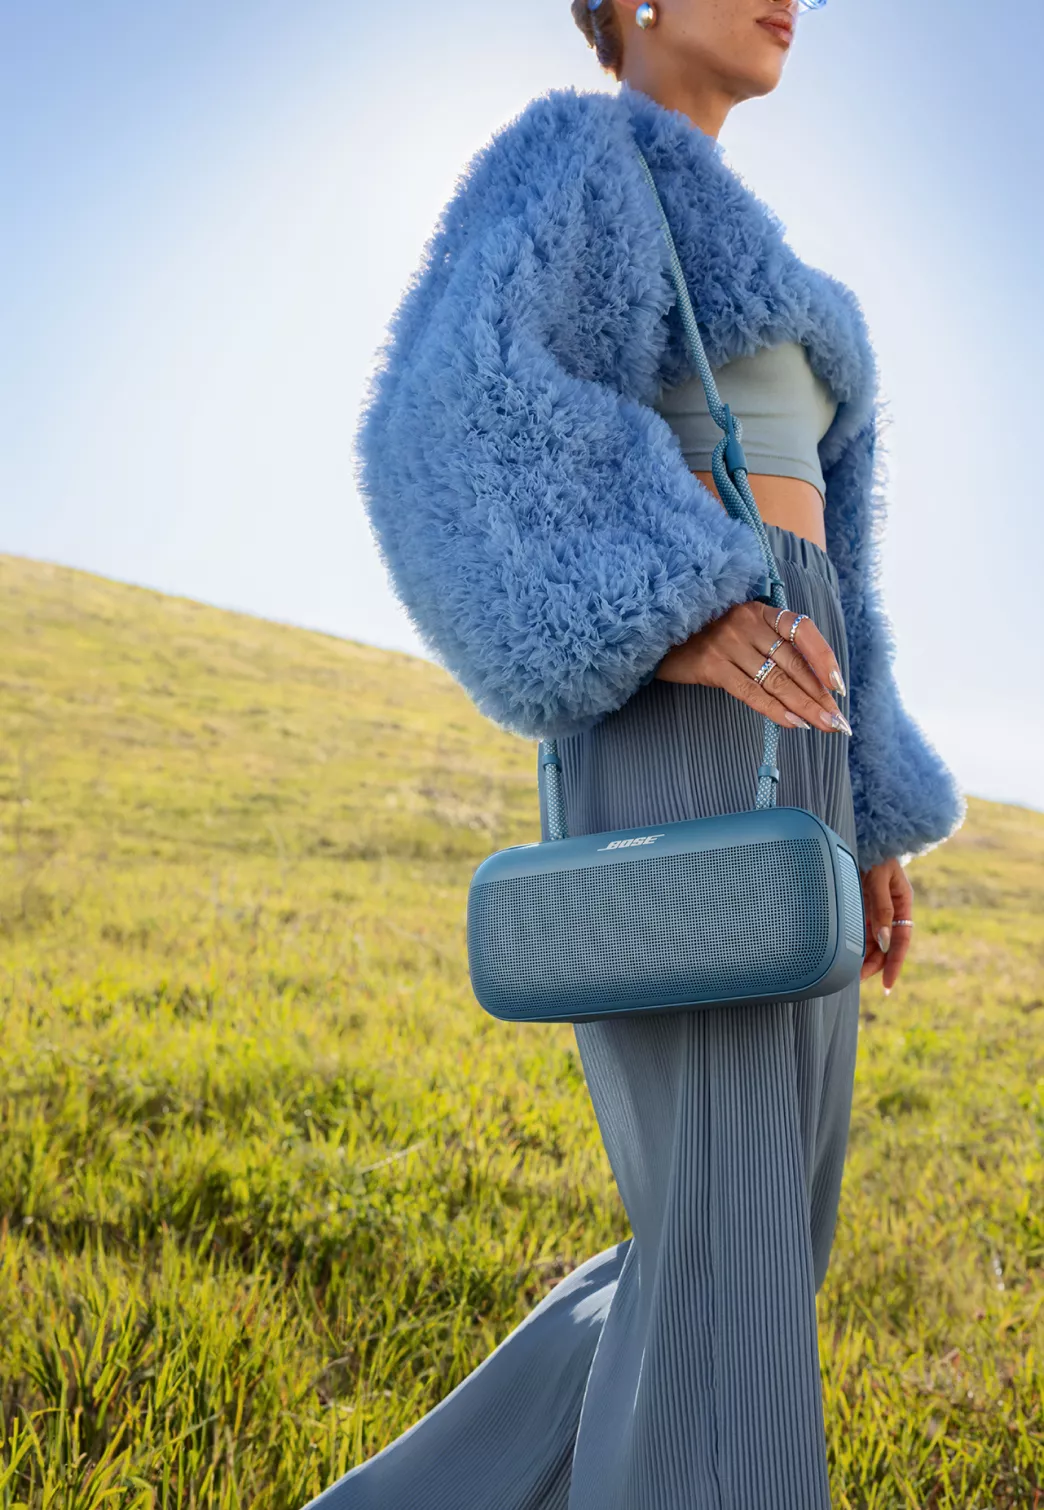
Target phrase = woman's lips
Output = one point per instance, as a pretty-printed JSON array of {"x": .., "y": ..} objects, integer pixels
[{"x": 779, "y": 29}]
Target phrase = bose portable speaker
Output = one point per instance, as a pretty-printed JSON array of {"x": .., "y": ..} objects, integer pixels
[
  {"x": 748, "y": 907},
  {"x": 741, "y": 908}
]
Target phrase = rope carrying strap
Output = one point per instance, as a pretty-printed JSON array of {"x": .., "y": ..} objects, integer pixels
[{"x": 729, "y": 469}]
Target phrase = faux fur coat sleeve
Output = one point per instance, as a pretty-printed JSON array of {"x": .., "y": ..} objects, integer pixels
[
  {"x": 906, "y": 799},
  {"x": 541, "y": 527}
]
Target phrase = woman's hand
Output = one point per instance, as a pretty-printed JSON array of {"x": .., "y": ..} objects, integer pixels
[
  {"x": 887, "y": 894},
  {"x": 728, "y": 651}
]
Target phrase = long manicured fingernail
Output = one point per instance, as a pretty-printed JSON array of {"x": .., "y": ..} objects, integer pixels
[
  {"x": 884, "y": 938},
  {"x": 887, "y": 990},
  {"x": 792, "y": 718},
  {"x": 836, "y": 721},
  {"x": 838, "y": 681}
]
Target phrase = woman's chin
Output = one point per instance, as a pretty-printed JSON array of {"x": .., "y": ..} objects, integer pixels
[{"x": 765, "y": 76}]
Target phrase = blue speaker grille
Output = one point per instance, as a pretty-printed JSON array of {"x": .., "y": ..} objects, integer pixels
[
  {"x": 686, "y": 928},
  {"x": 851, "y": 902}
]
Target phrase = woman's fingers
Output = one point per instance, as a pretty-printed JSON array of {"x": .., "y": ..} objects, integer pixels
[
  {"x": 740, "y": 685},
  {"x": 730, "y": 650},
  {"x": 887, "y": 895},
  {"x": 873, "y": 959},
  {"x": 897, "y": 951},
  {"x": 809, "y": 642},
  {"x": 819, "y": 711},
  {"x": 797, "y": 668},
  {"x": 877, "y": 895},
  {"x": 763, "y": 700},
  {"x": 902, "y": 907}
]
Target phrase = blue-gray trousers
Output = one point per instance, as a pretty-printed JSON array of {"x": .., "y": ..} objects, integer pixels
[{"x": 678, "y": 1370}]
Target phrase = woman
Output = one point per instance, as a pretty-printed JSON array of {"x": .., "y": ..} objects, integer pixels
[{"x": 535, "y": 461}]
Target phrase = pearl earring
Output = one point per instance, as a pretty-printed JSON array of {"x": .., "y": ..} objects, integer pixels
[{"x": 646, "y": 16}]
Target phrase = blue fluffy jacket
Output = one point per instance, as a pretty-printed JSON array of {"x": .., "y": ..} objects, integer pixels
[{"x": 535, "y": 514}]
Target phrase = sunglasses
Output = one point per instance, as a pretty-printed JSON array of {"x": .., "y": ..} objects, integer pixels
[{"x": 802, "y": 4}]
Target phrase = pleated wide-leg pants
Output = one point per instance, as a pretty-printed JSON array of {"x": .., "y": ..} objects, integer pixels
[{"x": 678, "y": 1370}]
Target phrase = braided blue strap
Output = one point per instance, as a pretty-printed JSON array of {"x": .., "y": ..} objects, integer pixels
[
  {"x": 556, "y": 817},
  {"x": 729, "y": 469}
]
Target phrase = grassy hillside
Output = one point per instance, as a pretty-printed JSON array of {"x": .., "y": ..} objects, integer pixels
[{"x": 272, "y": 1183}]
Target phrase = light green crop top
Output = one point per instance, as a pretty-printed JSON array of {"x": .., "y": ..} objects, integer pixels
[{"x": 785, "y": 408}]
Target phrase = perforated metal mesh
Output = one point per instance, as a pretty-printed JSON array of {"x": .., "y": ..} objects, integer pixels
[
  {"x": 699, "y": 927},
  {"x": 853, "y": 920}
]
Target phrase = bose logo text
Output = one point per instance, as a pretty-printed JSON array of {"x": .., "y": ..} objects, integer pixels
[{"x": 630, "y": 843}]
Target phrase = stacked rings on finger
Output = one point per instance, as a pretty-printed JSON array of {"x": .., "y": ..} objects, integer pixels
[
  {"x": 775, "y": 647},
  {"x": 793, "y": 627},
  {"x": 763, "y": 671}
]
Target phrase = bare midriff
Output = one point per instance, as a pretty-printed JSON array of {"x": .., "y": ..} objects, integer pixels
[{"x": 790, "y": 502}]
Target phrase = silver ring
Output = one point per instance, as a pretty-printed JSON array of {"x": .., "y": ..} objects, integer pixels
[
  {"x": 763, "y": 671},
  {"x": 793, "y": 627},
  {"x": 775, "y": 622},
  {"x": 902, "y": 922},
  {"x": 776, "y": 646}
]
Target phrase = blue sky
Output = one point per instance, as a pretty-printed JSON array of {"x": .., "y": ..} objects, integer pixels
[{"x": 210, "y": 211}]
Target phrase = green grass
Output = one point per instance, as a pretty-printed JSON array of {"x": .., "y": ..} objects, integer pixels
[{"x": 271, "y": 1182}]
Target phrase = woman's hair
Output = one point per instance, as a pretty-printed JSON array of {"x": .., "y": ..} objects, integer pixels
[{"x": 601, "y": 27}]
